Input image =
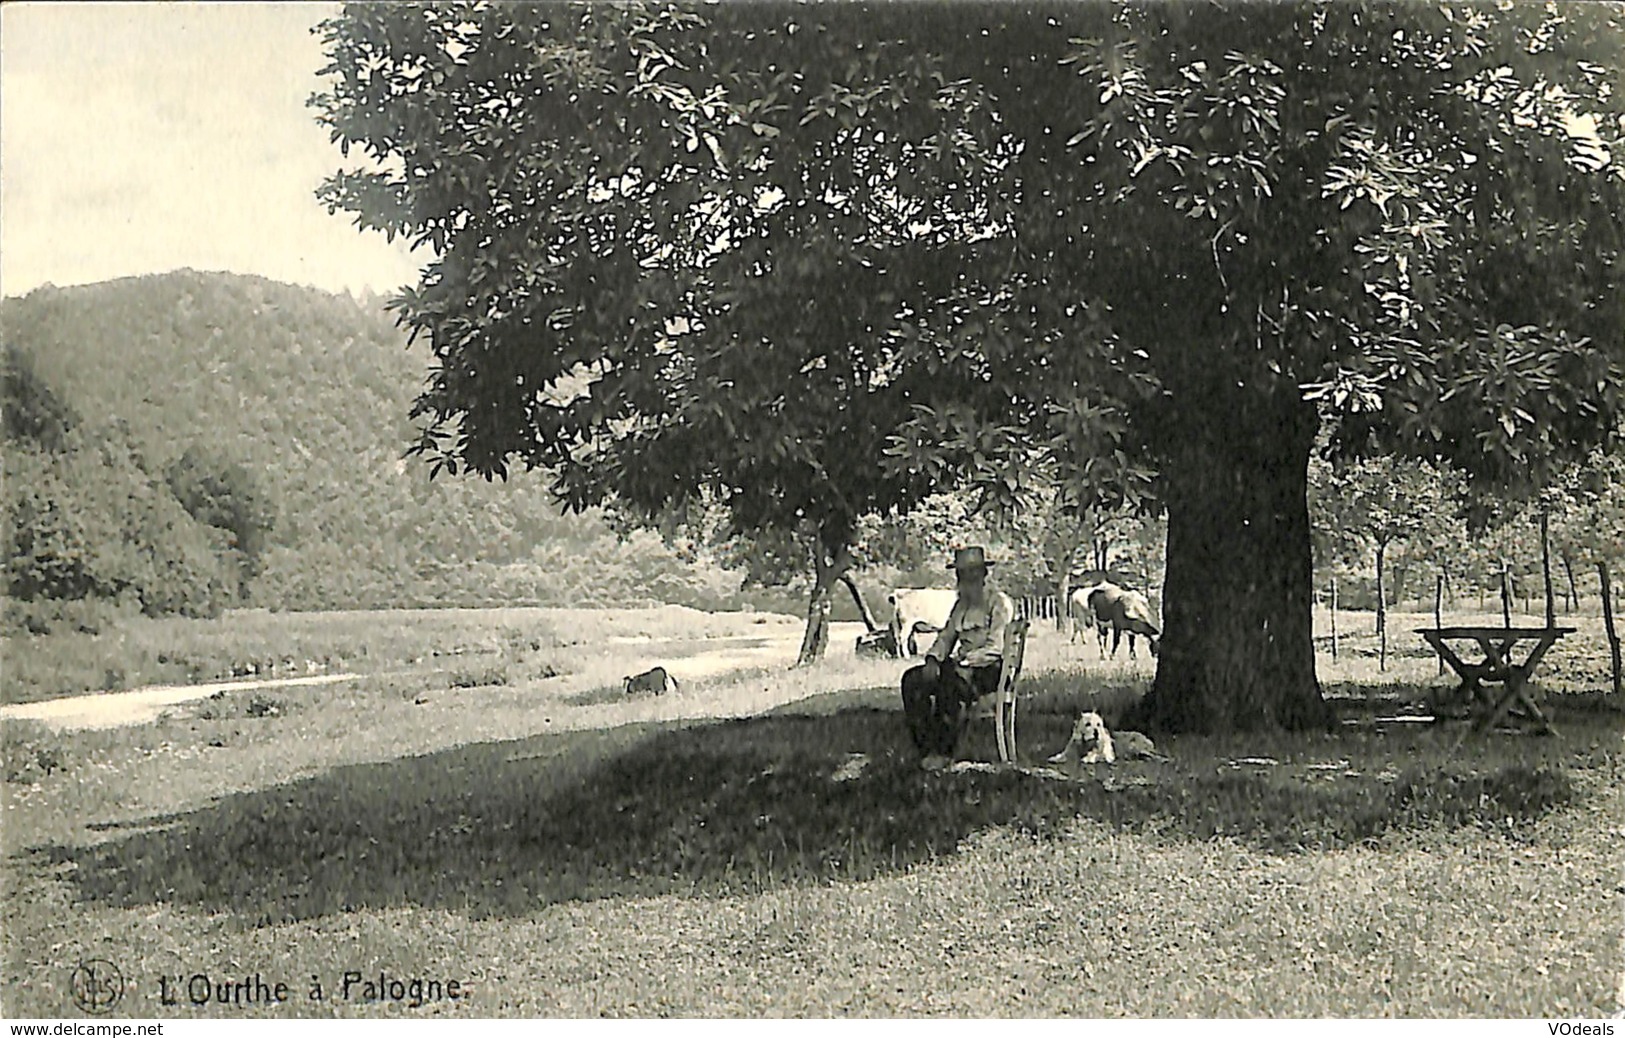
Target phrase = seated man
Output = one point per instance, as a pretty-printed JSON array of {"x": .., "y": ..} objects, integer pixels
[{"x": 961, "y": 666}]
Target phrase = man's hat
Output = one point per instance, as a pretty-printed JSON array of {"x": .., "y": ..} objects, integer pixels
[{"x": 971, "y": 558}]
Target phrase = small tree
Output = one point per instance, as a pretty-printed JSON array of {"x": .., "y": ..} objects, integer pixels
[{"x": 1378, "y": 502}]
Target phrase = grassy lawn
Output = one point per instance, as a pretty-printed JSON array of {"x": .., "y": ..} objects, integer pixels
[
  {"x": 764, "y": 844},
  {"x": 253, "y": 642}
]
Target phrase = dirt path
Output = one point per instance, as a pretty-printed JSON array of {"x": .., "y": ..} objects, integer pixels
[{"x": 140, "y": 705}]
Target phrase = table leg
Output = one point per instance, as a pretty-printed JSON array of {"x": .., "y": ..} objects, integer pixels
[
  {"x": 1517, "y": 690},
  {"x": 1529, "y": 665},
  {"x": 1487, "y": 720},
  {"x": 1468, "y": 690},
  {"x": 1497, "y": 656},
  {"x": 1498, "y": 666}
]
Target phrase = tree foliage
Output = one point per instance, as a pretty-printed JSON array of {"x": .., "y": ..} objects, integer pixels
[
  {"x": 88, "y": 521},
  {"x": 1590, "y": 510}
]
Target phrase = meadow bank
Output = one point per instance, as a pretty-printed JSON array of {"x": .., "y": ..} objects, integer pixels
[{"x": 564, "y": 851}]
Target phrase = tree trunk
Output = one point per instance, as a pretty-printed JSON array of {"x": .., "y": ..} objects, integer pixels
[
  {"x": 1237, "y": 651},
  {"x": 1063, "y": 581},
  {"x": 863, "y": 607},
  {"x": 1568, "y": 571},
  {"x": 828, "y": 567},
  {"x": 1382, "y": 596},
  {"x": 1334, "y": 618},
  {"x": 1382, "y": 611},
  {"x": 816, "y": 638},
  {"x": 1546, "y": 565},
  {"x": 1506, "y": 597},
  {"x": 1608, "y": 620},
  {"x": 1401, "y": 570}
]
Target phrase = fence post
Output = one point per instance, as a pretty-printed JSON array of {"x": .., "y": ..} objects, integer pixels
[{"x": 1438, "y": 611}]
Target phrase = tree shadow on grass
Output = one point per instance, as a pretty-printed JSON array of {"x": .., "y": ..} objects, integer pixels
[{"x": 830, "y": 791}]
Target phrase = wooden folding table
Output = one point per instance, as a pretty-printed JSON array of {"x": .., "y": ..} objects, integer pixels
[{"x": 1497, "y": 667}]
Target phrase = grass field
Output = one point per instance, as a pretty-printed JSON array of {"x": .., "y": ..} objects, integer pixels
[
  {"x": 763, "y": 843},
  {"x": 253, "y": 643}
]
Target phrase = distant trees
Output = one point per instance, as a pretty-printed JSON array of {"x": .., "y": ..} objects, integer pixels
[
  {"x": 1373, "y": 506},
  {"x": 87, "y": 521},
  {"x": 1593, "y": 525},
  {"x": 274, "y": 417},
  {"x": 33, "y": 413},
  {"x": 225, "y": 495},
  {"x": 1473, "y": 539}
]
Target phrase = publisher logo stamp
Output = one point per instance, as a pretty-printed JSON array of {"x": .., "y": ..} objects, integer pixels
[{"x": 97, "y": 986}]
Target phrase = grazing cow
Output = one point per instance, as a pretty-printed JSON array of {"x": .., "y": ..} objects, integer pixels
[
  {"x": 654, "y": 680},
  {"x": 1123, "y": 611},
  {"x": 1083, "y": 615},
  {"x": 916, "y": 609}
]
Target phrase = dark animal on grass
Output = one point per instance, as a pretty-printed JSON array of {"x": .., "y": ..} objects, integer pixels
[
  {"x": 882, "y": 642},
  {"x": 1124, "y": 612},
  {"x": 654, "y": 680}
]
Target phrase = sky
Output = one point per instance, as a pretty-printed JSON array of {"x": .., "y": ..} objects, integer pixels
[{"x": 145, "y": 137}]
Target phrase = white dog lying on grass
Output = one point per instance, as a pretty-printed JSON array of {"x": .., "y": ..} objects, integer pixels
[{"x": 1091, "y": 743}]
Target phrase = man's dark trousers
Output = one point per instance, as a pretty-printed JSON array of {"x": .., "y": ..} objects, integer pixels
[{"x": 938, "y": 705}]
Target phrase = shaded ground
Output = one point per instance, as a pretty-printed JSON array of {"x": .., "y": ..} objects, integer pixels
[{"x": 800, "y": 795}]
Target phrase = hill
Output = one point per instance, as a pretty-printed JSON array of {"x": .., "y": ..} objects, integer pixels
[{"x": 307, "y": 394}]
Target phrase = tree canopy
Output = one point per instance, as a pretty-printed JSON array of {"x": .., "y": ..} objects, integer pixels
[{"x": 822, "y": 261}]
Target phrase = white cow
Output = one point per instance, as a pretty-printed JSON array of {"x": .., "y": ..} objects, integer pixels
[
  {"x": 916, "y": 609},
  {"x": 1124, "y": 611}
]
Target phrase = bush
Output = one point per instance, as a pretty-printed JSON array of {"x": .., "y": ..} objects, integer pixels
[
  {"x": 225, "y": 706},
  {"x": 493, "y": 675},
  {"x": 89, "y": 523},
  {"x": 31, "y": 752},
  {"x": 64, "y": 616}
]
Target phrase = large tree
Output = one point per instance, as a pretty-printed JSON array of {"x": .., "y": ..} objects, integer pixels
[{"x": 766, "y": 240}]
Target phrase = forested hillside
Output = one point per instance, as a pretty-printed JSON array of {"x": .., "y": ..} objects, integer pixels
[{"x": 275, "y": 418}]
